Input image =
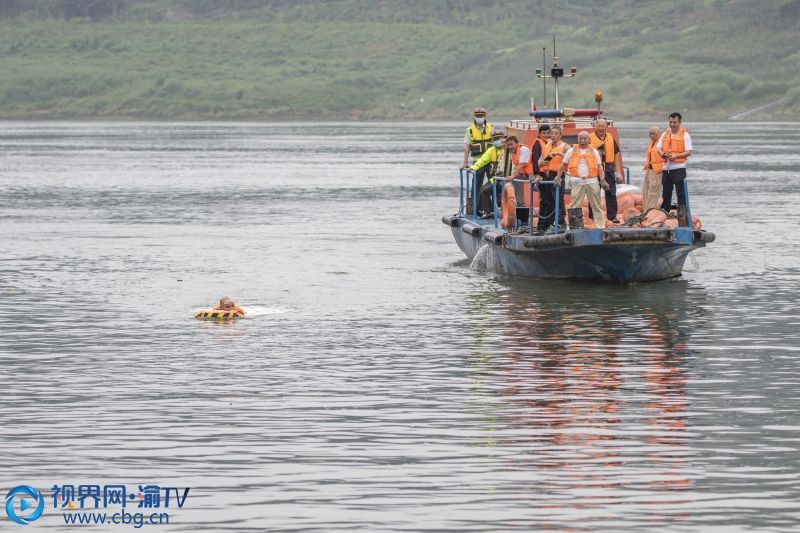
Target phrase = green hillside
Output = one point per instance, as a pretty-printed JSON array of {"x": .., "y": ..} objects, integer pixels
[{"x": 359, "y": 59}]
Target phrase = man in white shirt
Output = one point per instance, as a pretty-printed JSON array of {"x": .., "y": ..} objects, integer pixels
[
  {"x": 522, "y": 170},
  {"x": 587, "y": 176},
  {"x": 676, "y": 146}
]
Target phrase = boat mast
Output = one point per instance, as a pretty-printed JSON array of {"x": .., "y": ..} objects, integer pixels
[
  {"x": 544, "y": 81},
  {"x": 553, "y": 70},
  {"x": 556, "y": 72}
]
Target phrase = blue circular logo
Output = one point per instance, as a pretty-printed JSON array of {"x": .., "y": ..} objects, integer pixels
[{"x": 31, "y": 504}]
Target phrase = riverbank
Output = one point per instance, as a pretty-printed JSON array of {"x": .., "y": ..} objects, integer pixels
[{"x": 344, "y": 61}]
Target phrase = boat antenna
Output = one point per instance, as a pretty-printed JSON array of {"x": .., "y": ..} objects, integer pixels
[
  {"x": 556, "y": 72},
  {"x": 544, "y": 81}
]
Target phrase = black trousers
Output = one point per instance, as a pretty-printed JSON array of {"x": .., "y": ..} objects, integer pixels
[
  {"x": 611, "y": 193},
  {"x": 673, "y": 179},
  {"x": 547, "y": 204},
  {"x": 485, "y": 204},
  {"x": 480, "y": 176}
]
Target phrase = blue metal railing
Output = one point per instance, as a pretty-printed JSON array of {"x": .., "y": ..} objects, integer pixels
[
  {"x": 531, "y": 211},
  {"x": 468, "y": 189},
  {"x": 469, "y": 178},
  {"x": 689, "y": 222}
]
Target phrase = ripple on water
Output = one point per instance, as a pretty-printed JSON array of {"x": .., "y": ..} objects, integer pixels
[{"x": 382, "y": 383}]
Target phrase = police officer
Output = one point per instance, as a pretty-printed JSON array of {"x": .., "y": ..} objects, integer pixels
[{"x": 477, "y": 139}]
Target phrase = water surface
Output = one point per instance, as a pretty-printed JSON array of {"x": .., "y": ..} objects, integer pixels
[{"x": 384, "y": 385}]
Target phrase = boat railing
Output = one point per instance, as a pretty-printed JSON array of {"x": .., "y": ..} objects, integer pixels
[
  {"x": 531, "y": 210},
  {"x": 468, "y": 180},
  {"x": 530, "y": 124},
  {"x": 468, "y": 190},
  {"x": 689, "y": 222}
]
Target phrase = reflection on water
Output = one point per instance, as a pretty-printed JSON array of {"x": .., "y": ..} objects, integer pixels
[
  {"x": 381, "y": 382},
  {"x": 589, "y": 384}
]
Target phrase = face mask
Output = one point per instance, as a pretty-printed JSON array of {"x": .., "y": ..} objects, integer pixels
[
  {"x": 480, "y": 121},
  {"x": 498, "y": 144}
]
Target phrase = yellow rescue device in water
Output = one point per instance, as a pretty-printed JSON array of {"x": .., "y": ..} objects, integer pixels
[
  {"x": 219, "y": 315},
  {"x": 226, "y": 310}
]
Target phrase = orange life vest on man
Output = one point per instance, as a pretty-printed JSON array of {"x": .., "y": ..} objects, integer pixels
[
  {"x": 674, "y": 144},
  {"x": 558, "y": 156},
  {"x": 652, "y": 159},
  {"x": 236, "y": 309},
  {"x": 527, "y": 168},
  {"x": 542, "y": 143},
  {"x": 605, "y": 146},
  {"x": 575, "y": 159}
]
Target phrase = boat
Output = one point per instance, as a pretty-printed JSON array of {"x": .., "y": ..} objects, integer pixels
[{"x": 617, "y": 254}]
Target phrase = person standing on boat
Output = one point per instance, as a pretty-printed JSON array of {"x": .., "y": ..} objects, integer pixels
[
  {"x": 612, "y": 162},
  {"x": 587, "y": 176},
  {"x": 653, "y": 165},
  {"x": 537, "y": 148},
  {"x": 676, "y": 145},
  {"x": 522, "y": 168},
  {"x": 477, "y": 139},
  {"x": 549, "y": 163},
  {"x": 494, "y": 163}
]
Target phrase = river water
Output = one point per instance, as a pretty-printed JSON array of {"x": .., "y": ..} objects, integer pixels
[{"x": 381, "y": 383}]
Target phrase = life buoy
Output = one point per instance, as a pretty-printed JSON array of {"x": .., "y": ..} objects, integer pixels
[
  {"x": 509, "y": 207},
  {"x": 214, "y": 314}
]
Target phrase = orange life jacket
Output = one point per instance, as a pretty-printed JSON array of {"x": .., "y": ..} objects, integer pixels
[
  {"x": 508, "y": 206},
  {"x": 558, "y": 156},
  {"x": 604, "y": 146},
  {"x": 235, "y": 309},
  {"x": 527, "y": 168},
  {"x": 535, "y": 162},
  {"x": 652, "y": 159},
  {"x": 575, "y": 159},
  {"x": 674, "y": 145}
]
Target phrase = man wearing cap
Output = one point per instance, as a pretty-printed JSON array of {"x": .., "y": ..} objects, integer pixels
[
  {"x": 477, "y": 139},
  {"x": 494, "y": 162},
  {"x": 478, "y": 136}
]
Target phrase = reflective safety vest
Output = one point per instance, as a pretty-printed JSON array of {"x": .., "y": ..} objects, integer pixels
[
  {"x": 652, "y": 159},
  {"x": 674, "y": 145},
  {"x": 575, "y": 159},
  {"x": 558, "y": 156},
  {"x": 604, "y": 146},
  {"x": 479, "y": 139},
  {"x": 527, "y": 168}
]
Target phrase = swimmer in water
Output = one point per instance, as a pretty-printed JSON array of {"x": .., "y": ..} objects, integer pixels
[{"x": 226, "y": 304}]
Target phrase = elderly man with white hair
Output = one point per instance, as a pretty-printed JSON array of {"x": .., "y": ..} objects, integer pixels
[
  {"x": 653, "y": 166},
  {"x": 587, "y": 176}
]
